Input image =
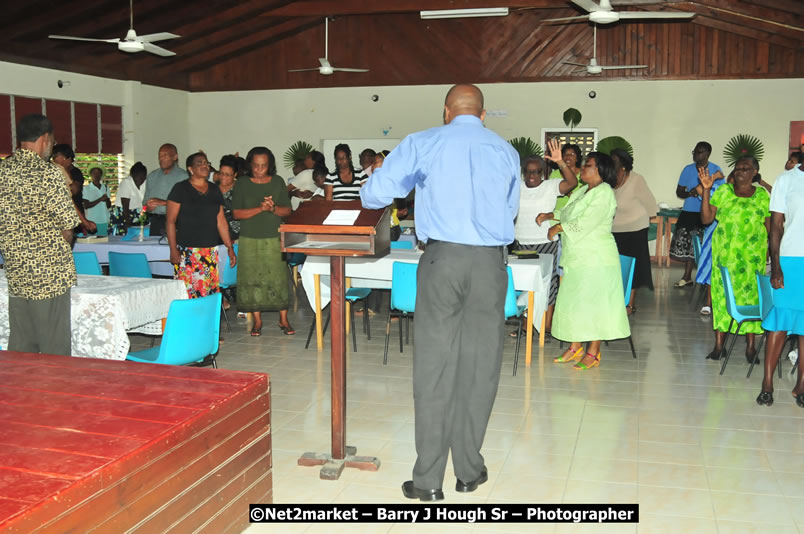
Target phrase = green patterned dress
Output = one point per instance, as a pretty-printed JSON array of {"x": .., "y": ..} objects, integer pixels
[{"x": 740, "y": 243}]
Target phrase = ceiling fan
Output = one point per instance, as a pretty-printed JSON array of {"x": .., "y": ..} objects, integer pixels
[
  {"x": 131, "y": 42},
  {"x": 325, "y": 67},
  {"x": 593, "y": 68},
  {"x": 605, "y": 14}
]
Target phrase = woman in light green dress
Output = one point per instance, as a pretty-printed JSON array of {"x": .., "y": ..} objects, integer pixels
[
  {"x": 591, "y": 301},
  {"x": 740, "y": 243}
]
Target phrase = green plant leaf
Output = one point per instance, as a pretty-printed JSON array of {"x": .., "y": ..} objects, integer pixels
[
  {"x": 298, "y": 150},
  {"x": 572, "y": 117},
  {"x": 526, "y": 146},
  {"x": 607, "y": 144},
  {"x": 743, "y": 145}
]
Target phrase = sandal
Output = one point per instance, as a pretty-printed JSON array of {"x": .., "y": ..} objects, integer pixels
[
  {"x": 765, "y": 398},
  {"x": 572, "y": 356},
  {"x": 683, "y": 283},
  {"x": 516, "y": 334},
  {"x": 580, "y": 366},
  {"x": 630, "y": 310},
  {"x": 800, "y": 400},
  {"x": 288, "y": 330},
  {"x": 256, "y": 332}
]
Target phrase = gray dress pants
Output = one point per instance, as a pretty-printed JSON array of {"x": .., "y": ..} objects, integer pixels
[
  {"x": 460, "y": 330},
  {"x": 40, "y": 325}
]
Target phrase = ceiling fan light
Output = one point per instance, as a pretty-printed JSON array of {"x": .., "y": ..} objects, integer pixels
[
  {"x": 604, "y": 17},
  {"x": 130, "y": 46},
  {"x": 461, "y": 13}
]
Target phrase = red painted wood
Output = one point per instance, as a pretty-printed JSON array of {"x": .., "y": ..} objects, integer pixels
[
  {"x": 107, "y": 444},
  {"x": 26, "y": 106},
  {"x": 5, "y": 125},
  {"x": 111, "y": 129},
  {"x": 59, "y": 113},
  {"x": 86, "y": 128}
]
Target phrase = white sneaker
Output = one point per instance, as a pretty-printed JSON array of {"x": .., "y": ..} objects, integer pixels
[{"x": 706, "y": 310}]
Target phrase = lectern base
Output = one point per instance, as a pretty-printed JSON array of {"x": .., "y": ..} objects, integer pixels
[{"x": 331, "y": 468}]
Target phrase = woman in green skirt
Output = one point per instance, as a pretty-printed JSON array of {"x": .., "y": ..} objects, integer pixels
[{"x": 260, "y": 201}]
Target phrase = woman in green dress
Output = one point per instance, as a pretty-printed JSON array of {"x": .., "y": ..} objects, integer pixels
[
  {"x": 740, "y": 243},
  {"x": 260, "y": 201},
  {"x": 591, "y": 302}
]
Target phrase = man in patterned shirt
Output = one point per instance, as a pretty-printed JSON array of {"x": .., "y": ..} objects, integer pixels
[{"x": 35, "y": 235}]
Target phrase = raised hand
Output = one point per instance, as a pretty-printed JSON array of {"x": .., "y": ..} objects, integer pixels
[
  {"x": 553, "y": 151},
  {"x": 705, "y": 179}
]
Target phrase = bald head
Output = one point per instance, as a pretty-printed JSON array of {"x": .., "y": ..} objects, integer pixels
[{"x": 463, "y": 99}]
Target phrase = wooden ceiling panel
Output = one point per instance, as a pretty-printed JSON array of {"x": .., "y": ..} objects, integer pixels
[{"x": 227, "y": 45}]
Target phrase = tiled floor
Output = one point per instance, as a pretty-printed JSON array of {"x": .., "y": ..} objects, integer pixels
[{"x": 664, "y": 430}]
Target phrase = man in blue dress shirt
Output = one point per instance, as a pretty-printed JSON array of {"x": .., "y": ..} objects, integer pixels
[{"x": 467, "y": 196}]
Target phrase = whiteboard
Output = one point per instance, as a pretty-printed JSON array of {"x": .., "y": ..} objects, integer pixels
[{"x": 357, "y": 146}]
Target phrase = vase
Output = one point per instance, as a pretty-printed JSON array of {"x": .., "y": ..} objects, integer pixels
[{"x": 141, "y": 237}]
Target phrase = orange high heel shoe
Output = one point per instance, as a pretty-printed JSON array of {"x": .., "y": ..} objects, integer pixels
[
  {"x": 575, "y": 356},
  {"x": 580, "y": 366}
]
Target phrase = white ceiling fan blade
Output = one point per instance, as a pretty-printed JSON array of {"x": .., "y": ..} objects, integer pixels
[
  {"x": 303, "y": 70},
  {"x": 624, "y": 67},
  {"x": 586, "y": 5},
  {"x": 153, "y": 37},
  {"x": 158, "y": 50},
  {"x": 573, "y": 63},
  {"x": 654, "y": 15},
  {"x": 68, "y": 38},
  {"x": 568, "y": 19},
  {"x": 324, "y": 62},
  {"x": 349, "y": 70}
]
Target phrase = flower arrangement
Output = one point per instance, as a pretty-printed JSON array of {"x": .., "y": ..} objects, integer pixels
[{"x": 143, "y": 218}]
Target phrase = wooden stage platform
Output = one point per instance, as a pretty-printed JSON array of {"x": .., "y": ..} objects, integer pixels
[{"x": 107, "y": 446}]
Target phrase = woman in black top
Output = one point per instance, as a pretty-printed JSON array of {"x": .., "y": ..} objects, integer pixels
[{"x": 195, "y": 226}]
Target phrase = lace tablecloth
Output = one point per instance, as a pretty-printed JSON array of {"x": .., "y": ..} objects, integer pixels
[{"x": 104, "y": 309}]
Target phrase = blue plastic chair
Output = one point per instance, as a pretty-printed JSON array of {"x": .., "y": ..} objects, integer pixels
[
  {"x": 741, "y": 314},
  {"x": 133, "y": 265},
  {"x": 513, "y": 311},
  {"x": 353, "y": 295},
  {"x": 403, "y": 300},
  {"x": 228, "y": 280},
  {"x": 87, "y": 263},
  {"x": 191, "y": 334},
  {"x": 401, "y": 245},
  {"x": 627, "y": 265}
]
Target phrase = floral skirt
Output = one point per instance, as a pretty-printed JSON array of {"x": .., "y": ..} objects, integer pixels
[{"x": 198, "y": 269}]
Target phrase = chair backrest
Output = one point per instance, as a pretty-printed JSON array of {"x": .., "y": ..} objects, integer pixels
[
  {"x": 401, "y": 245},
  {"x": 228, "y": 274},
  {"x": 731, "y": 303},
  {"x": 765, "y": 295},
  {"x": 87, "y": 263},
  {"x": 511, "y": 309},
  {"x": 403, "y": 286},
  {"x": 192, "y": 330},
  {"x": 134, "y": 265},
  {"x": 696, "y": 248},
  {"x": 627, "y": 264}
]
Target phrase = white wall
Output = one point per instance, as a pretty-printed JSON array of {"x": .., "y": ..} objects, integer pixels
[
  {"x": 151, "y": 115},
  {"x": 662, "y": 119}
]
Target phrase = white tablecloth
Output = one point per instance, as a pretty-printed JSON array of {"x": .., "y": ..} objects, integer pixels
[
  {"x": 105, "y": 308},
  {"x": 529, "y": 275}
]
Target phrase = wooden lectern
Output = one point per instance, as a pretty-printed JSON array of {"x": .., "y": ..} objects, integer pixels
[{"x": 305, "y": 231}]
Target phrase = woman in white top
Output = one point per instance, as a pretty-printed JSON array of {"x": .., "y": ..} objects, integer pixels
[
  {"x": 96, "y": 200},
  {"x": 635, "y": 206},
  {"x": 130, "y": 193},
  {"x": 539, "y": 196}
]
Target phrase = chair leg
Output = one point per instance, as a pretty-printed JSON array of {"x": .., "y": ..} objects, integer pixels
[
  {"x": 733, "y": 341},
  {"x": 519, "y": 327},
  {"x": 633, "y": 350},
  {"x": 387, "y": 338},
  {"x": 226, "y": 317},
  {"x": 354, "y": 328},
  {"x": 404, "y": 316},
  {"x": 367, "y": 323},
  {"x": 310, "y": 334},
  {"x": 726, "y": 336},
  {"x": 753, "y": 361}
]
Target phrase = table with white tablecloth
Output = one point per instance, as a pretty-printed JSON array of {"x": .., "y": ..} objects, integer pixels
[
  {"x": 530, "y": 275},
  {"x": 105, "y": 309}
]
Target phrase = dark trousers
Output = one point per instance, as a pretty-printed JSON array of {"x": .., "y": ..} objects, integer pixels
[
  {"x": 40, "y": 325},
  {"x": 457, "y": 356},
  {"x": 157, "y": 224}
]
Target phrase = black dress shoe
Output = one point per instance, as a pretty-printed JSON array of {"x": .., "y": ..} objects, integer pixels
[
  {"x": 765, "y": 398},
  {"x": 468, "y": 487},
  {"x": 425, "y": 495},
  {"x": 751, "y": 355},
  {"x": 716, "y": 354}
]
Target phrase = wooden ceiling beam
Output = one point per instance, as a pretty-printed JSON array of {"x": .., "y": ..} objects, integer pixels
[
  {"x": 720, "y": 21},
  {"x": 791, "y": 26},
  {"x": 244, "y": 43},
  {"x": 750, "y": 12},
  {"x": 790, "y": 6}
]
